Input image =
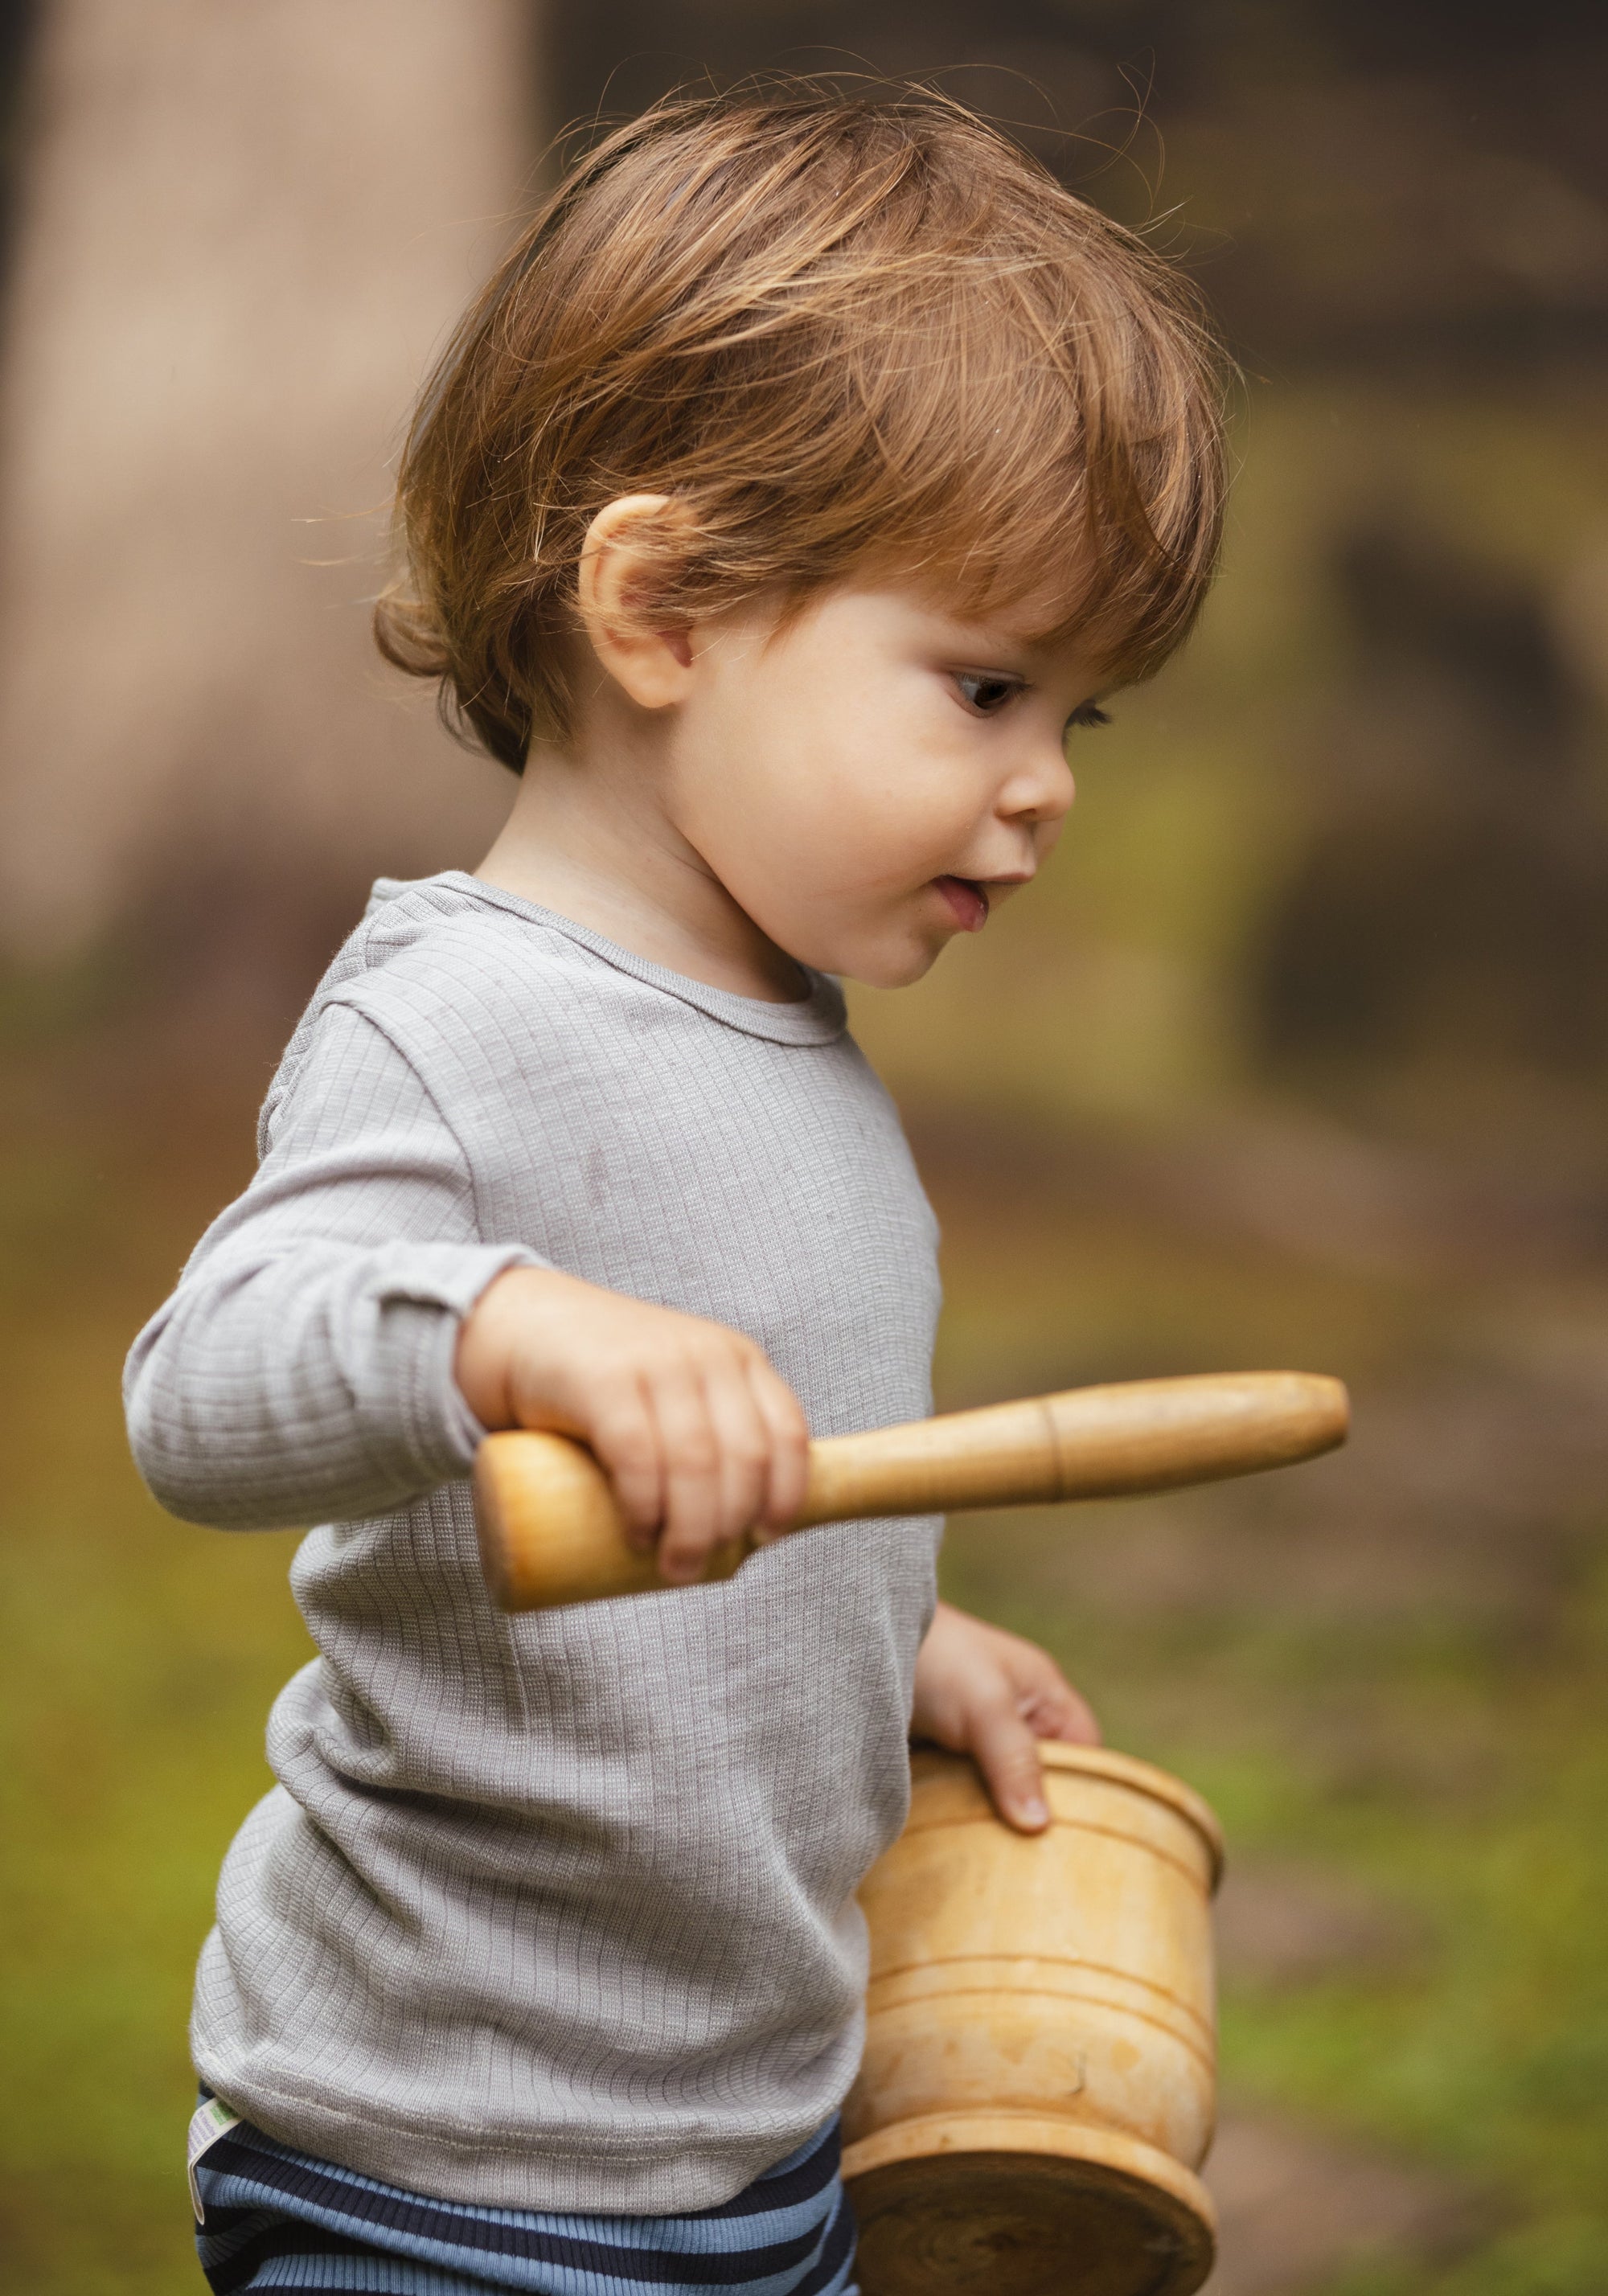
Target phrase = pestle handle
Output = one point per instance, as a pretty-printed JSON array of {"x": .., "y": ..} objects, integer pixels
[{"x": 550, "y": 1531}]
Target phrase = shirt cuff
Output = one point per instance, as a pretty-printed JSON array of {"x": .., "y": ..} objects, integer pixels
[{"x": 423, "y": 1291}]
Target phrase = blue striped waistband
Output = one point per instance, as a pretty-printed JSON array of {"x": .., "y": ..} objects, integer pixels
[{"x": 279, "y": 2219}]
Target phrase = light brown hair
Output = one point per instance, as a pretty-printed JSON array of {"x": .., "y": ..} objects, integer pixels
[{"x": 843, "y": 332}]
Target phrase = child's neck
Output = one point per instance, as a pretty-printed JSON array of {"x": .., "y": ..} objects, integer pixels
[{"x": 587, "y": 839}]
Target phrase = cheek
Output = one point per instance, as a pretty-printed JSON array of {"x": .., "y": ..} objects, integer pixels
[
  {"x": 878, "y": 788},
  {"x": 859, "y": 821},
  {"x": 779, "y": 780},
  {"x": 824, "y": 784}
]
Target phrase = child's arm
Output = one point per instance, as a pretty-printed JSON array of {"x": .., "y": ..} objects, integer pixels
[
  {"x": 309, "y": 1367},
  {"x": 982, "y": 1691},
  {"x": 302, "y": 1370}
]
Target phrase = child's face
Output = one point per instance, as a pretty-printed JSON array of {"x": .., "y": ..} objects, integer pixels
[{"x": 872, "y": 778}]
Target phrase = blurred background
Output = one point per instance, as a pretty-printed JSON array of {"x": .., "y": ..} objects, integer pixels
[{"x": 1299, "y": 1056}]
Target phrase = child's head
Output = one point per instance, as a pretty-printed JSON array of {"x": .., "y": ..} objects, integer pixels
[
  {"x": 844, "y": 334},
  {"x": 842, "y": 347}
]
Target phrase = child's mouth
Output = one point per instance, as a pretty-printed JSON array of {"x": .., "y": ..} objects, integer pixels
[{"x": 968, "y": 901}]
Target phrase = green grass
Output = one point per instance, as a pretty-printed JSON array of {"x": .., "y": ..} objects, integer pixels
[{"x": 139, "y": 1658}]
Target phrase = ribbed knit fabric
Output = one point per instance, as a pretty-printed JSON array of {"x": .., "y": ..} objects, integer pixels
[
  {"x": 554, "y": 1912},
  {"x": 276, "y": 2219}
]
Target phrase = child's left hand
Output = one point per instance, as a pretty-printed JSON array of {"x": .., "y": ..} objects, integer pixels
[{"x": 981, "y": 1692}]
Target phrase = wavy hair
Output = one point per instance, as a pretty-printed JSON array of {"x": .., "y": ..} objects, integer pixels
[{"x": 845, "y": 334}]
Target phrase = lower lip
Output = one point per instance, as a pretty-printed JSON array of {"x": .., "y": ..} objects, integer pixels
[{"x": 968, "y": 903}]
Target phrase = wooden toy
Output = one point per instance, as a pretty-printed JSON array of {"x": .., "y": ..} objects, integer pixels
[
  {"x": 1038, "y": 2084},
  {"x": 550, "y": 1531}
]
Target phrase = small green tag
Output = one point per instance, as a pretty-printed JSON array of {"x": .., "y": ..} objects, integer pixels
[{"x": 208, "y": 2123}]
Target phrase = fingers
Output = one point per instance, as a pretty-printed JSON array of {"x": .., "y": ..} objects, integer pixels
[
  {"x": 743, "y": 1443},
  {"x": 733, "y": 1451},
  {"x": 1043, "y": 1696},
  {"x": 1061, "y": 1712},
  {"x": 994, "y": 1695},
  {"x": 717, "y": 1459},
  {"x": 701, "y": 1440},
  {"x": 787, "y": 1434},
  {"x": 624, "y": 1433},
  {"x": 1044, "y": 1699},
  {"x": 1006, "y": 1751}
]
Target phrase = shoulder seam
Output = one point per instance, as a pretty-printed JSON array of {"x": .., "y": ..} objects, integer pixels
[{"x": 343, "y": 997}]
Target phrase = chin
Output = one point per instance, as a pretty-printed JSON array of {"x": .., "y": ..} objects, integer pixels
[{"x": 892, "y": 968}]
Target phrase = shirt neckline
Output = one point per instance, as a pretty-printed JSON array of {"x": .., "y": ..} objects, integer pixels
[{"x": 817, "y": 1019}]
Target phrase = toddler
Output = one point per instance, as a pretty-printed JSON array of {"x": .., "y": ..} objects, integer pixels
[{"x": 786, "y": 502}]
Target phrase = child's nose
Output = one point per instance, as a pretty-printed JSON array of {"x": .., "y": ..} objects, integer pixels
[{"x": 1041, "y": 791}]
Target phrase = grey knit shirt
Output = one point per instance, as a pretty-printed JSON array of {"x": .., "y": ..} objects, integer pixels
[{"x": 554, "y": 1911}]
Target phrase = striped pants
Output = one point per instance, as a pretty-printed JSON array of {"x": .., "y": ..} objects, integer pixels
[{"x": 276, "y": 2219}]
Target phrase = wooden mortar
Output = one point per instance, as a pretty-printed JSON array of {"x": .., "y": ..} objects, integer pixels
[{"x": 1037, "y": 2086}]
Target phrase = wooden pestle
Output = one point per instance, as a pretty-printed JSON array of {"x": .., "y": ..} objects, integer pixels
[{"x": 550, "y": 1533}]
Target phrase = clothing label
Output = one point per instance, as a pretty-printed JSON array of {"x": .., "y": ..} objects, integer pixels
[{"x": 208, "y": 2123}]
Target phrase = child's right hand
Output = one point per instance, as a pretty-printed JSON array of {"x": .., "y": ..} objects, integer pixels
[{"x": 701, "y": 1440}]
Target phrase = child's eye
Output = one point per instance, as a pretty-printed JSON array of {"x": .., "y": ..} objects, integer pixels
[
  {"x": 1091, "y": 714},
  {"x": 986, "y": 690}
]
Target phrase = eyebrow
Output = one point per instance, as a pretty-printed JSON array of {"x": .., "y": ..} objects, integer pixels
[{"x": 981, "y": 646}]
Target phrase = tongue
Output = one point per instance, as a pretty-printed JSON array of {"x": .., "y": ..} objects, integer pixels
[{"x": 969, "y": 902}]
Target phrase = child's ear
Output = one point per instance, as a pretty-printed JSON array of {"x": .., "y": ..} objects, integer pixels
[{"x": 629, "y": 546}]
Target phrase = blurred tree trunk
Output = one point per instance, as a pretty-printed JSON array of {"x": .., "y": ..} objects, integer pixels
[{"x": 242, "y": 231}]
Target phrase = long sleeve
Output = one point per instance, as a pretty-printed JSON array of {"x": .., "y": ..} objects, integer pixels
[{"x": 302, "y": 1369}]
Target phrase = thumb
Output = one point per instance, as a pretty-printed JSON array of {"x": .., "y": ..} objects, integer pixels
[{"x": 1006, "y": 1751}]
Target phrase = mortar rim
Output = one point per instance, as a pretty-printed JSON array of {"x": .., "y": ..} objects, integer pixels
[{"x": 1120, "y": 1769}]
